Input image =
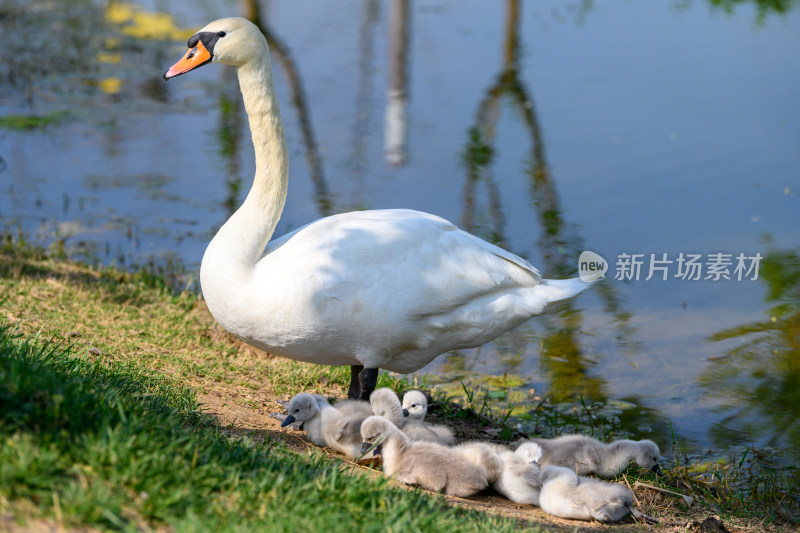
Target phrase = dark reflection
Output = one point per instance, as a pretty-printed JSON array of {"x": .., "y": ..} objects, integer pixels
[
  {"x": 758, "y": 380},
  {"x": 763, "y": 7},
  {"x": 477, "y": 158},
  {"x": 278, "y": 50},
  {"x": 397, "y": 95},
  {"x": 229, "y": 136},
  {"x": 154, "y": 88},
  {"x": 363, "y": 103},
  {"x": 568, "y": 368}
]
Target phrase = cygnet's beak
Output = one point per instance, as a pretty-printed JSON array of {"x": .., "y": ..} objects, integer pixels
[
  {"x": 195, "y": 57},
  {"x": 289, "y": 419},
  {"x": 365, "y": 446},
  {"x": 405, "y": 412},
  {"x": 657, "y": 470}
]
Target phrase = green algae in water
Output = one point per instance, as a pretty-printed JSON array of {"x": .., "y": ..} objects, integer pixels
[{"x": 32, "y": 122}]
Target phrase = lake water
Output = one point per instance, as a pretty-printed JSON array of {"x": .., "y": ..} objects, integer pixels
[{"x": 549, "y": 128}]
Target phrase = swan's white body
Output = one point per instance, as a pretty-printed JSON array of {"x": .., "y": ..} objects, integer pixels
[
  {"x": 384, "y": 288},
  {"x": 387, "y": 288}
]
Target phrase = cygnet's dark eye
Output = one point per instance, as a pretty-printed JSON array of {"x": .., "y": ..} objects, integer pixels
[{"x": 221, "y": 34}]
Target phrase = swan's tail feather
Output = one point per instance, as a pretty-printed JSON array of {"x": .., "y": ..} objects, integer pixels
[{"x": 554, "y": 290}]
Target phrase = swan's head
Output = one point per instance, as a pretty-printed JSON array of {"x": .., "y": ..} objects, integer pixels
[
  {"x": 303, "y": 408},
  {"x": 647, "y": 454},
  {"x": 231, "y": 41},
  {"x": 415, "y": 405}
]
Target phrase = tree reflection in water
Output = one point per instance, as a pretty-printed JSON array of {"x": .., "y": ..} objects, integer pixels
[
  {"x": 568, "y": 368},
  {"x": 758, "y": 380}
]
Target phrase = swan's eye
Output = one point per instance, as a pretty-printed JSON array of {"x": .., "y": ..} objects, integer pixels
[
  {"x": 221, "y": 34},
  {"x": 297, "y": 410}
]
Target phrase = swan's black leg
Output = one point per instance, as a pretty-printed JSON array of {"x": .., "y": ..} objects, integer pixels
[
  {"x": 354, "y": 392},
  {"x": 369, "y": 380}
]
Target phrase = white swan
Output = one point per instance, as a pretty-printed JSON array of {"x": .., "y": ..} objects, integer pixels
[
  {"x": 585, "y": 455},
  {"x": 371, "y": 289}
]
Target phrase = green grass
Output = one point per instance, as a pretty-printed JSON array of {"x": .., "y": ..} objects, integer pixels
[
  {"x": 109, "y": 446},
  {"x": 31, "y": 122}
]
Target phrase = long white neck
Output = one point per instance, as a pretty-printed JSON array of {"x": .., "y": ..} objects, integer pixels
[{"x": 239, "y": 244}]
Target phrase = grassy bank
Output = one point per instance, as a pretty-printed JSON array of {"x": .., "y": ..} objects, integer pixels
[
  {"x": 123, "y": 405},
  {"x": 107, "y": 442},
  {"x": 89, "y": 443}
]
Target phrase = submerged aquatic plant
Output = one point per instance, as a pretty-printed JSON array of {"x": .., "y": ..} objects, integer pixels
[{"x": 31, "y": 122}]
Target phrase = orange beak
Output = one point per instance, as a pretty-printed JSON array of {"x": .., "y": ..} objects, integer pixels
[{"x": 195, "y": 57}]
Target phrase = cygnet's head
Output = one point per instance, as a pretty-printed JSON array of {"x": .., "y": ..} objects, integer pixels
[
  {"x": 415, "y": 404},
  {"x": 647, "y": 454},
  {"x": 384, "y": 402},
  {"x": 530, "y": 451},
  {"x": 302, "y": 407},
  {"x": 374, "y": 431},
  {"x": 231, "y": 41}
]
